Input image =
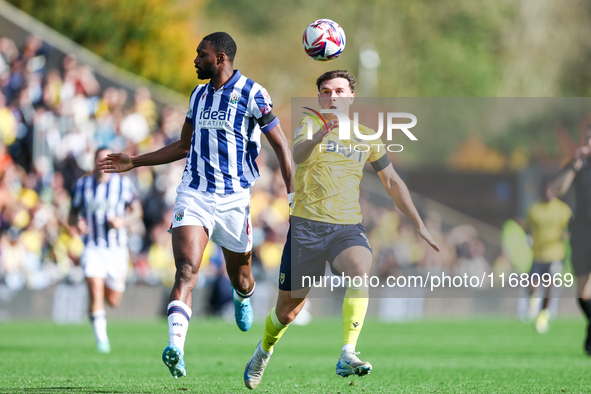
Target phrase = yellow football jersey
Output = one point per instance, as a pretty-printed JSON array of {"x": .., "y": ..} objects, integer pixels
[
  {"x": 327, "y": 184},
  {"x": 548, "y": 222}
]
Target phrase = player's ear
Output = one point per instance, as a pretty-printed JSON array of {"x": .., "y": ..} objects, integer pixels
[{"x": 220, "y": 57}]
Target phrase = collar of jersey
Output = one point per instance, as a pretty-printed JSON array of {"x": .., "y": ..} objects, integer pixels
[{"x": 228, "y": 85}]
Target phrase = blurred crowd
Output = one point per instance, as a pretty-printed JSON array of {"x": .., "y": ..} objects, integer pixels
[
  {"x": 52, "y": 121},
  {"x": 398, "y": 249}
]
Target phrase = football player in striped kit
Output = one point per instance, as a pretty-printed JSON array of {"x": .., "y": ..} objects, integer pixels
[
  {"x": 220, "y": 139},
  {"x": 102, "y": 206}
]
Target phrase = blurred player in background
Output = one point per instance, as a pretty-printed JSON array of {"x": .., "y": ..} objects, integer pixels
[
  {"x": 326, "y": 225},
  {"x": 102, "y": 206},
  {"x": 578, "y": 173},
  {"x": 547, "y": 222},
  {"x": 220, "y": 139}
]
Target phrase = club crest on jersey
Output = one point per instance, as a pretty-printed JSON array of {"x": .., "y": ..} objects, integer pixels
[
  {"x": 282, "y": 278},
  {"x": 234, "y": 98},
  {"x": 179, "y": 215}
]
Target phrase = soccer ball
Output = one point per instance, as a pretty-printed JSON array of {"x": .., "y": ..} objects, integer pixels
[{"x": 324, "y": 40}]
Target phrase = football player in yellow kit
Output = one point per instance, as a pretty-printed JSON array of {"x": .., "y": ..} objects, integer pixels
[{"x": 326, "y": 223}]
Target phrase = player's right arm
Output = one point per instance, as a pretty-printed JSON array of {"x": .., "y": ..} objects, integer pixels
[
  {"x": 304, "y": 148},
  {"x": 564, "y": 181},
  {"x": 120, "y": 162}
]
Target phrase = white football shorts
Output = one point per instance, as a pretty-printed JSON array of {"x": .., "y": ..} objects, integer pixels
[
  {"x": 225, "y": 216},
  {"x": 109, "y": 263}
]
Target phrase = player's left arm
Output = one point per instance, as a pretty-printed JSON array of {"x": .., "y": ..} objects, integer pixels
[
  {"x": 133, "y": 207},
  {"x": 134, "y": 212},
  {"x": 397, "y": 189},
  {"x": 276, "y": 138},
  {"x": 261, "y": 107}
]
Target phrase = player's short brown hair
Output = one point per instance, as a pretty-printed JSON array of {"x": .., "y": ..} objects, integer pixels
[{"x": 327, "y": 76}]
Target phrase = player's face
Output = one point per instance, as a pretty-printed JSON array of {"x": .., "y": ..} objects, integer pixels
[
  {"x": 205, "y": 62},
  {"x": 336, "y": 94},
  {"x": 101, "y": 155}
]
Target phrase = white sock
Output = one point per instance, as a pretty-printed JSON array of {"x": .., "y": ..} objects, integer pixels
[
  {"x": 179, "y": 315},
  {"x": 347, "y": 348},
  {"x": 99, "y": 325},
  {"x": 241, "y": 297}
]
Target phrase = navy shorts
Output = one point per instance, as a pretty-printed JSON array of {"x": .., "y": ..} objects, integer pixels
[
  {"x": 310, "y": 244},
  {"x": 540, "y": 268}
]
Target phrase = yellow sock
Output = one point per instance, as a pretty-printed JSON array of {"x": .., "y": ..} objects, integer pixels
[
  {"x": 273, "y": 331},
  {"x": 354, "y": 309}
]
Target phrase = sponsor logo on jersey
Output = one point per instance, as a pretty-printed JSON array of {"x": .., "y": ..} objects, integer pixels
[
  {"x": 266, "y": 95},
  {"x": 265, "y": 110},
  {"x": 209, "y": 119}
]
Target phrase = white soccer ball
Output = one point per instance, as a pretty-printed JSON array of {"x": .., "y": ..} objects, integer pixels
[{"x": 324, "y": 40}]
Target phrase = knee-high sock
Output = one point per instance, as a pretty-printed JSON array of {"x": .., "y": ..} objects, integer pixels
[
  {"x": 99, "y": 325},
  {"x": 354, "y": 309},
  {"x": 586, "y": 307},
  {"x": 179, "y": 315},
  {"x": 273, "y": 331}
]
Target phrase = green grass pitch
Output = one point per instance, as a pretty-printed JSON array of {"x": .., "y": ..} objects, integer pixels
[{"x": 467, "y": 356}]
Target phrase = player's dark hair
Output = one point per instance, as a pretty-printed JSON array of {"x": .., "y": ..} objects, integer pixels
[
  {"x": 546, "y": 182},
  {"x": 327, "y": 76},
  {"x": 99, "y": 150},
  {"x": 221, "y": 42}
]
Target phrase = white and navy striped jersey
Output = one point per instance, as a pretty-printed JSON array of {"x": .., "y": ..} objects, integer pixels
[
  {"x": 227, "y": 126},
  {"x": 97, "y": 201}
]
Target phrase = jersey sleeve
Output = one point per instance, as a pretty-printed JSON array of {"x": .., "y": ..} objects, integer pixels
[
  {"x": 78, "y": 194},
  {"x": 378, "y": 157},
  {"x": 129, "y": 192},
  {"x": 306, "y": 123},
  {"x": 261, "y": 106},
  {"x": 189, "y": 116}
]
